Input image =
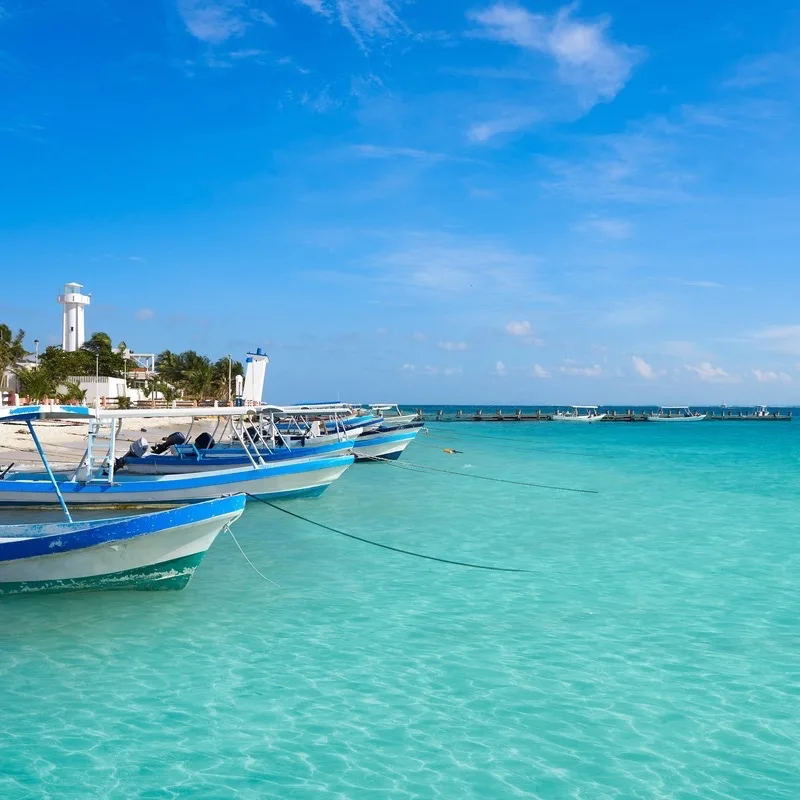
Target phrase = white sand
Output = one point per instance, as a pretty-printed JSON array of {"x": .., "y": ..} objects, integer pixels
[{"x": 65, "y": 442}]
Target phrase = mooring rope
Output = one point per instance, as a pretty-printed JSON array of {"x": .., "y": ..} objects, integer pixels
[
  {"x": 534, "y": 447},
  {"x": 385, "y": 546},
  {"x": 255, "y": 569},
  {"x": 422, "y": 468}
]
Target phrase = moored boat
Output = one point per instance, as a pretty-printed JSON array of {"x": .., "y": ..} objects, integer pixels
[
  {"x": 151, "y": 551},
  {"x": 586, "y": 414},
  {"x": 385, "y": 444},
  {"x": 159, "y": 550},
  {"x": 675, "y": 414},
  {"x": 392, "y": 415},
  {"x": 99, "y": 481}
]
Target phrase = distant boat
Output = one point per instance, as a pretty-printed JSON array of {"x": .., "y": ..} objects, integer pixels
[
  {"x": 587, "y": 414},
  {"x": 392, "y": 416},
  {"x": 675, "y": 414}
]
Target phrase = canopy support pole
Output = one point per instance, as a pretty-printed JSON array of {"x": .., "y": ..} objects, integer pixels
[{"x": 49, "y": 471}]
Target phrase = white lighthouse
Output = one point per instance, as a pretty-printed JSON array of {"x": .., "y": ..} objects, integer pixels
[{"x": 73, "y": 300}]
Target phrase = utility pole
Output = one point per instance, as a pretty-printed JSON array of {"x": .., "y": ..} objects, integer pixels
[
  {"x": 230, "y": 370},
  {"x": 36, "y": 345}
]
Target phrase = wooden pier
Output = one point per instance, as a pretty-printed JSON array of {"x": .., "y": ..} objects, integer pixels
[{"x": 611, "y": 416}]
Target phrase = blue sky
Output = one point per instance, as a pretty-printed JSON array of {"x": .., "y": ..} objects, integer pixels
[{"x": 424, "y": 201}]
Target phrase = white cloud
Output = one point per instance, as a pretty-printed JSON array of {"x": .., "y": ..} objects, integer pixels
[
  {"x": 452, "y": 371},
  {"x": 538, "y": 371},
  {"x": 595, "y": 371},
  {"x": 643, "y": 368},
  {"x": 585, "y": 55},
  {"x": 211, "y": 21},
  {"x": 607, "y": 228},
  {"x": 780, "y": 339},
  {"x": 482, "y": 132},
  {"x": 377, "y": 151},
  {"x": 453, "y": 345},
  {"x": 429, "y": 370},
  {"x": 144, "y": 314},
  {"x": 409, "y": 368},
  {"x": 638, "y": 166},
  {"x": 314, "y": 5},
  {"x": 459, "y": 265},
  {"x": 499, "y": 368},
  {"x": 769, "y": 376},
  {"x": 707, "y": 372},
  {"x": 364, "y": 19},
  {"x": 519, "y": 328}
]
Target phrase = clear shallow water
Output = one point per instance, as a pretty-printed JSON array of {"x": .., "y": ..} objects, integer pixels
[{"x": 653, "y": 651}]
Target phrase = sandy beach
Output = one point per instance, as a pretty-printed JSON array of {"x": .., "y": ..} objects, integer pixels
[{"x": 65, "y": 442}]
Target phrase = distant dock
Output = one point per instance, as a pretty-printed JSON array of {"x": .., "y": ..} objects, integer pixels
[{"x": 611, "y": 416}]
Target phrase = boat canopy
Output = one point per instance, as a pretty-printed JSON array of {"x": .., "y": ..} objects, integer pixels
[
  {"x": 200, "y": 411},
  {"x": 31, "y": 413},
  {"x": 321, "y": 409}
]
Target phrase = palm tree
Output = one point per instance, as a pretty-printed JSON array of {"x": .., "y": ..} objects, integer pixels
[
  {"x": 200, "y": 379},
  {"x": 37, "y": 383},
  {"x": 223, "y": 369},
  {"x": 73, "y": 392},
  {"x": 169, "y": 367},
  {"x": 11, "y": 350}
]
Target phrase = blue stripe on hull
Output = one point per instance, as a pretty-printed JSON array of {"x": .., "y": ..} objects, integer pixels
[{"x": 113, "y": 530}]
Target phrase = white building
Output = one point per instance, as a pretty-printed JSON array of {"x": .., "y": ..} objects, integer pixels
[{"x": 74, "y": 332}]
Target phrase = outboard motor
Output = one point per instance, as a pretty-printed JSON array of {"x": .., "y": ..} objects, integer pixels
[
  {"x": 137, "y": 449},
  {"x": 205, "y": 441},
  {"x": 173, "y": 440}
]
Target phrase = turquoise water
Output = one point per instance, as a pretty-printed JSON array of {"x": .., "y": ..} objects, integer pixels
[{"x": 652, "y": 651}]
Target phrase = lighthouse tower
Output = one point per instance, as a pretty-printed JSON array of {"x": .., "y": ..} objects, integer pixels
[{"x": 73, "y": 300}]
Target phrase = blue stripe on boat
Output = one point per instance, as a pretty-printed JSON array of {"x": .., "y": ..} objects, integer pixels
[
  {"x": 111, "y": 530},
  {"x": 144, "y": 484}
]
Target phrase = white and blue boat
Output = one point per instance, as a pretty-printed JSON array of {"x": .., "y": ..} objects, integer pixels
[
  {"x": 187, "y": 458},
  {"x": 388, "y": 443},
  {"x": 247, "y": 438},
  {"x": 379, "y": 438},
  {"x": 152, "y": 551},
  {"x": 97, "y": 482},
  {"x": 160, "y": 550}
]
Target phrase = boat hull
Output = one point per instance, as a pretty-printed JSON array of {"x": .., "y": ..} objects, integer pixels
[
  {"x": 654, "y": 418},
  {"x": 157, "y": 551},
  {"x": 229, "y": 458},
  {"x": 388, "y": 444},
  {"x": 583, "y": 419},
  {"x": 294, "y": 478}
]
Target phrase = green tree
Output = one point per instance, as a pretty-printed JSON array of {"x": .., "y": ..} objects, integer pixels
[
  {"x": 37, "y": 383},
  {"x": 169, "y": 367},
  {"x": 221, "y": 374},
  {"x": 199, "y": 378},
  {"x": 103, "y": 358},
  {"x": 11, "y": 349}
]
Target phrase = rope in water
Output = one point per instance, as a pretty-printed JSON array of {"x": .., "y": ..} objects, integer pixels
[
  {"x": 422, "y": 468},
  {"x": 385, "y": 546},
  {"x": 255, "y": 569},
  {"x": 534, "y": 447}
]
